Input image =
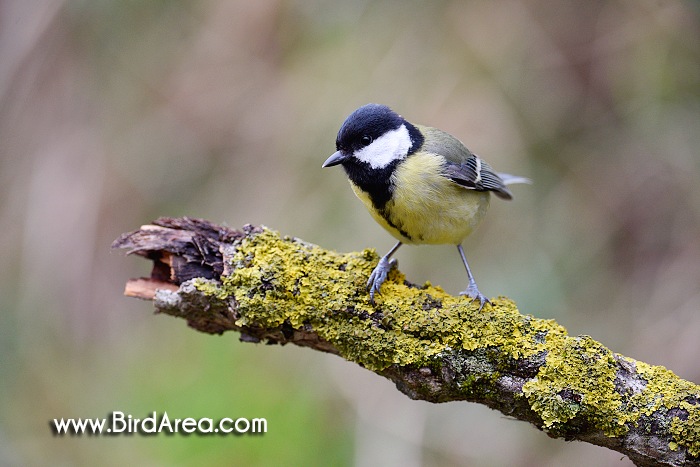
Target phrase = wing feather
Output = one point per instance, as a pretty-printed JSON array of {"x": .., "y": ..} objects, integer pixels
[
  {"x": 475, "y": 174},
  {"x": 461, "y": 165}
]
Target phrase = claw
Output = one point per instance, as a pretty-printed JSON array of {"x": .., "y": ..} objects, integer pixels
[
  {"x": 378, "y": 276},
  {"x": 473, "y": 292}
]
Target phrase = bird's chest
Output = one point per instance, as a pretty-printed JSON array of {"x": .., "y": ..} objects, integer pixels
[{"x": 426, "y": 207}]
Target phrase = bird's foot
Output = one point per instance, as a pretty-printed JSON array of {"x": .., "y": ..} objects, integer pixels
[
  {"x": 472, "y": 292},
  {"x": 378, "y": 276}
]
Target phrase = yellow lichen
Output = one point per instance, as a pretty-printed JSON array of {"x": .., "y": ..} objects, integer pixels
[
  {"x": 277, "y": 280},
  {"x": 578, "y": 379},
  {"x": 664, "y": 390},
  {"x": 584, "y": 369}
]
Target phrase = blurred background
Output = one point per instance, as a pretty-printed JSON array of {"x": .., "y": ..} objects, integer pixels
[{"x": 114, "y": 113}]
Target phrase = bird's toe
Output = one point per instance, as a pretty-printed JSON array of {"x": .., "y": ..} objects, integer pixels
[
  {"x": 378, "y": 276},
  {"x": 473, "y": 292}
]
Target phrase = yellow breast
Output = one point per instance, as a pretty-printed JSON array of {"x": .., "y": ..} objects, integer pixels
[{"x": 427, "y": 207}]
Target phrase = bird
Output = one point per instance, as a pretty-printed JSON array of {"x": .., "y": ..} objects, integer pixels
[{"x": 419, "y": 183}]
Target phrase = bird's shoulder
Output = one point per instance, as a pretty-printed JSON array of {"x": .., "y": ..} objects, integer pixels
[{"x": 444, "y": 144}]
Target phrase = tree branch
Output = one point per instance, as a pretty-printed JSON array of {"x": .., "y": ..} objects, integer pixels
[{"x": 433, "y": 346}]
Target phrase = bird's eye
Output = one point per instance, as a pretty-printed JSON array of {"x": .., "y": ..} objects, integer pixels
[{"x": 366, "y": 140}]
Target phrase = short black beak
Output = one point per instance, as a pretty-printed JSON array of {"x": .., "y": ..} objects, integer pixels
[{"x": 335, "y": 159}]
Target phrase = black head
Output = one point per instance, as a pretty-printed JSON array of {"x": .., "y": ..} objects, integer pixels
[
  {"x": 365, "y": 125},
  {"x": 371, "y": 143},
  {"x": 375, "y": 136}
]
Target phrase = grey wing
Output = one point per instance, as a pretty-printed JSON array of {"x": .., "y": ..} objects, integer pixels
[
  {"x": 466, "y": 168},
  {"x": 474, "y": 174}
]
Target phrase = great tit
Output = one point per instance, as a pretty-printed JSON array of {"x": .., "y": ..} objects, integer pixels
[{"x": 419, "y": 183}]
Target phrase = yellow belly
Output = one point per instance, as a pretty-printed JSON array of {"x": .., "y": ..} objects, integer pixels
[{"x": 426, "y": 206}]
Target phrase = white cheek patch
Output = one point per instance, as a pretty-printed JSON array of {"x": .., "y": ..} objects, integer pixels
[{"x": 391, "y": 146}]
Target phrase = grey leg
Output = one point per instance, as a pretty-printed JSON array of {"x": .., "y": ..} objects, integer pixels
[
  {"x": 378, "y": 276},
  {"x": 472, "y": 290}
]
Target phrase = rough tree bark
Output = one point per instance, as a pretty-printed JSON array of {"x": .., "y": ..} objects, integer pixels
[{"x": 433, "y": 346}]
